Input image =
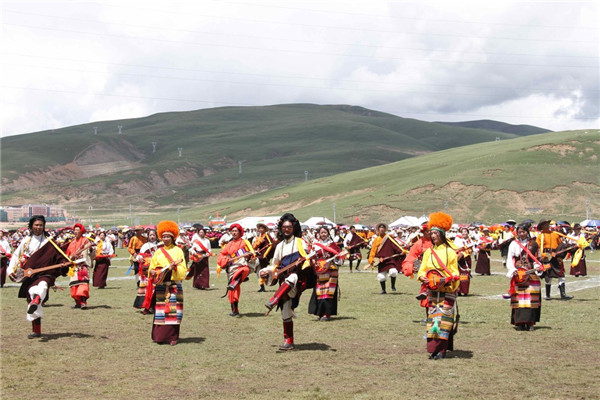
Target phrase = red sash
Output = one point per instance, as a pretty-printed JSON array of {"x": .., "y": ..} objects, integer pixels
[
  {"x": 441, "y": 263},
  {"x": 202, "y": 246},
  {"x": 527, "y": 252},
  {"x": 327, "y": 248},
  {"x": 166, "y": 253},
  {"x": 6, "y": 253}
]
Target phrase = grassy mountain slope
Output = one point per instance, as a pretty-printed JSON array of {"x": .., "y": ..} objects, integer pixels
[
  {"x": 540, "y": 175},
  {"x": 497, "y": 126},
  {"x": 277, "y": 144}
]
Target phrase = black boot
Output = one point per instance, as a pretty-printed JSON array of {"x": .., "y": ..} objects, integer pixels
[
  {"x": 358, "y": 264},
  {"x": 234, "y": 309},
  {"x": 393, "y": 283},
  {"x": 233, "y": 284},
  {"x": 382, "y": 288},
  {"x": 548, "y": 287},
  {"x": 563, "y": 294},
  {"x": 262, "y": 288},
  {"x": 350, "y": 262}
]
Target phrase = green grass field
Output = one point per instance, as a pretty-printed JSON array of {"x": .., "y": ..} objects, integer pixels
[{"x": 374, "y": 348}]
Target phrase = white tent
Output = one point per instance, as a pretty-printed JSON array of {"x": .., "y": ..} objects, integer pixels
[
  {"x": 314, "y": 222},
  {"x": 250, "y": 222},
  {"x": 407, "y": 220}
]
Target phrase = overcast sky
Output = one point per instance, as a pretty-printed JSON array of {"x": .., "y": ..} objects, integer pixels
[{"x": 71, "y": 62}]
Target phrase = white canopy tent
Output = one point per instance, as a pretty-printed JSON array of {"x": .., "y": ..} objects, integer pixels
[
  {"x": 315, "y": 222},
  {"x": 408, "y": 220},
  {"x": 250, "y": 222}
]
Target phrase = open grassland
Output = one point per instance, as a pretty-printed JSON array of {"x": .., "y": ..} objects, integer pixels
[{"x": 374, "y": 349}]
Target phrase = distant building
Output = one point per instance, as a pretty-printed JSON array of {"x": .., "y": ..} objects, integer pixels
[{"x": 53, "y": 213}]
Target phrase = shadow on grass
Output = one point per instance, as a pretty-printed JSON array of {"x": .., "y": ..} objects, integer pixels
[
  {"x": 460, "y": 354},
  {"x": 578, "y": 300},
  {"x": 53, "y": 305},
  {"x": 107, "y": 288},
  {"x": 309, "y": 347},
  {"x": 335, "y": 318},
  {"x": 252, "y": 314},
  {"x": 46, "y": 337},
  {"x": 537, "y": 327},
  {"x": 99, "y": 306},
  {"x": 191, "y": 340}
]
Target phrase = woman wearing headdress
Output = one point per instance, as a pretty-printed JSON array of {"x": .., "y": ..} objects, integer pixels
[
  {"x": 5, "y": 254},
  {"x": 145, "y": 290},
  {"x": 200, "y": 251},
  {"x": 464, "y": 247},
  {"x": 79, "y": 249},
  {"x": 104, "y": 252},
  {"x": 525, "y": 285},
  {"x": 168, "y": 265},
  {"x": 323, "y": 302},
  {"x": 577, "y": 251},
  {"x": 237, "y": 258},
  {"x": 439, "y": 270},
  {"x": 482, "y": 267}
]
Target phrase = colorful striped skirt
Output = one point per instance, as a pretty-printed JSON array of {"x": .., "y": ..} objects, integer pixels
[
  {"x": 442, "y": 321},
  {"x": 526, "y": 301},
  {"x": 169, "y": 304}
]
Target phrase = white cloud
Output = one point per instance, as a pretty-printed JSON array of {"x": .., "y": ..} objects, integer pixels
[{"x": 519, "y": 62}]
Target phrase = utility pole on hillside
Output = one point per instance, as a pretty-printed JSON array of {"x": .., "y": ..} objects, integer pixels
[
  {"x": 89, "y": 220},
  {"x": 240, "y": 166},
  {"x": 587, "y": 208},
  {"x": 305, "y": 176},
  {"x": 178, "y": 215},
  {"x": 334, "y": 213},
  {"x": 180, "y": 149},
  {"x": 95, "y": 130},
  {"x": 120, "y": 127},
  {"x": 154, "y": 147}
]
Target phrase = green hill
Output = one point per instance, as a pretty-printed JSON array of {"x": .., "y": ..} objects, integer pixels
[
  {"x": 275, "y": 144},
  {"x": 496, "y": 126},
  {"x": 553, "y": 175}
]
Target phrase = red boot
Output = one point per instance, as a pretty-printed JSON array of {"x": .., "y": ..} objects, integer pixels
[
  {"x": 36, "y": 327},
  {"x": 33, "y": 305},
  {"x": 288, "y": 336},
  {"x": 283, "y": 289}
]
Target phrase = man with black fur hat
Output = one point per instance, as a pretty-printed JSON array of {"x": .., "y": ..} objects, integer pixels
[{"x": 290, "y": 250}]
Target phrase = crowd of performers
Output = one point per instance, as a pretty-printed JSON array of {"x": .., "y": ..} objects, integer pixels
[{"x": 440, "y": 254}]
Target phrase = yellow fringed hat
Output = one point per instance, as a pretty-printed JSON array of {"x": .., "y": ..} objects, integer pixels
[
  {"x": 169, "y": 227},
  {"x": 440, "y": 221}
]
